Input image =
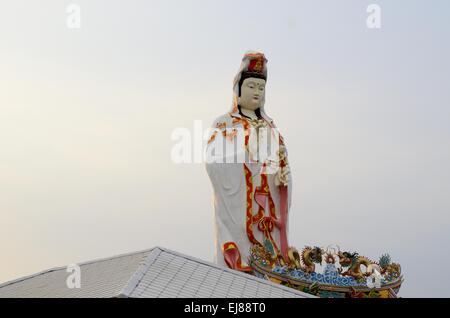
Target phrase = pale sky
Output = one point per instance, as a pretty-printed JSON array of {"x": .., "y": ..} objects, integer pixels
[{"x": 87, "y": 115}]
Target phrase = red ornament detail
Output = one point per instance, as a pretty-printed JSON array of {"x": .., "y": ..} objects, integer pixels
[{"x": 232, "y": 257}]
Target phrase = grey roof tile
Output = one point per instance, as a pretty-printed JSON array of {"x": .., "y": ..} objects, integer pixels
[{"x": 157, "y": 272}]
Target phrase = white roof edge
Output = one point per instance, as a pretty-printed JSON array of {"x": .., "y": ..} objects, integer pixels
[{"x": 20, "y": 279}]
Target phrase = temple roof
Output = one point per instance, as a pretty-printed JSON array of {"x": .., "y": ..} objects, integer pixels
[{"x": 157, "y": 272}]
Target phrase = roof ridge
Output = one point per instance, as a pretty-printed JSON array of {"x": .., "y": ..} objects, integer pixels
[{"x": 139, "y": 273}]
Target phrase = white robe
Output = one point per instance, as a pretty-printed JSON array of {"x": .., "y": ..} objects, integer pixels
[{"x": 230, "y": 196}]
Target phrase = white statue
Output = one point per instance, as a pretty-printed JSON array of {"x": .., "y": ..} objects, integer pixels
[{"x": 252, "y": 192}]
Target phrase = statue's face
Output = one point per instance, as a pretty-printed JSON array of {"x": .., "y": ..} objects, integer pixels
[{"x": 252, "y": 93}]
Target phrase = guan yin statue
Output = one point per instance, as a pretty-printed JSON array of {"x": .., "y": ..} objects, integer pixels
[{"x": 248, "y": 166}]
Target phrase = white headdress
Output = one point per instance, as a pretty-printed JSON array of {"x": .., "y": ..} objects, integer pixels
[{"x": 252, "y": 63}]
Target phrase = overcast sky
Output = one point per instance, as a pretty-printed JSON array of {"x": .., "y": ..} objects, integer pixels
[{"x": 86, "y": 117}]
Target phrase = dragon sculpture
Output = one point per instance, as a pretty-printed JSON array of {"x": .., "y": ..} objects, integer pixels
[
  {"x": 307, "y": 260},
  {"x": 388, "y": 268},
  {"x": 353, "y": 263}
]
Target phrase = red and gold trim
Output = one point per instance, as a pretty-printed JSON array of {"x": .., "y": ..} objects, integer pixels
[
  {"x": 230, "y": 134},
  {"x": 246, "y": 126},
  {"x": 233, "y": 259},
  {"x": 213, "y": 137},
  {"x": 256, "y": 64},
  {"x": 221, "y": 125},
  {"x": 236, "y": 121},
  {"x": 249, "y": 205},
  {"x": 265, "y": 223}
]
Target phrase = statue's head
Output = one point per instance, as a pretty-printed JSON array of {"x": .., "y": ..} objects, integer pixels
[
  {"x": 251, "y": 93},
  {"x": 252, "y": 81}
]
